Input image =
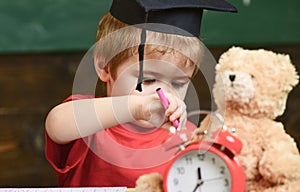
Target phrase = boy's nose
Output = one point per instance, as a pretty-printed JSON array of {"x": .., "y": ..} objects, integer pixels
[{"x": 165, "y": 87}]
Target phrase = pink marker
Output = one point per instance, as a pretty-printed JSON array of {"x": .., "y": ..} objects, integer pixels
[{"x": 165, "y": 103}]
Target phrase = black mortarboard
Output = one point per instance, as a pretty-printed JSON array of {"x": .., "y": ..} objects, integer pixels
[{"x": 184, "y": 15}]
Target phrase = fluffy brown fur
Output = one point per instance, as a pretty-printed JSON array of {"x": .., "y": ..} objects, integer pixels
[{"x": 251, "y": 90}]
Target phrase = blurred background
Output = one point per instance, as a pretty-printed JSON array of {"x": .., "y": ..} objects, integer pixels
[{"x": 43, "y": 41}]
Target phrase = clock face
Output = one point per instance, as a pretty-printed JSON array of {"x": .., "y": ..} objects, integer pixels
[{"x": 199, "y": 171}]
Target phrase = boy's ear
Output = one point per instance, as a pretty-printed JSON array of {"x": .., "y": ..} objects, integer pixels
[{"x": 101, "y": 69}]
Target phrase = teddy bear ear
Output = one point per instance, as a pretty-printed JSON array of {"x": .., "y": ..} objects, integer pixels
[
  {"x": 294, "y": 77},
  {"x": 230, "y": 55},
  {"x": 296, "y": 80}
]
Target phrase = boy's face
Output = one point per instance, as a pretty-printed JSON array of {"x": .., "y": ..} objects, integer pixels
[{"x": 167, "y": 71}]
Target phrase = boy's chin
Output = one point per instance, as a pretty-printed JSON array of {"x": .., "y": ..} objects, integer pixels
[{"x": 144, "y": 124}]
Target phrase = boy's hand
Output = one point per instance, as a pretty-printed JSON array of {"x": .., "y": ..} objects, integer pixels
[{"x": 149, "y": 108}]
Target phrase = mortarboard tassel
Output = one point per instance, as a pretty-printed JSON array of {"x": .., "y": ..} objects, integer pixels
[{"x": 141, "y": 58}]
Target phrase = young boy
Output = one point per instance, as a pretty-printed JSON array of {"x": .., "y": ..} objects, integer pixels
[{"x": 112, "y": 140}]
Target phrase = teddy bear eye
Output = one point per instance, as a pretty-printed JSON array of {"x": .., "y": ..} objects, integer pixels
[{"x": 252, "y": 76}]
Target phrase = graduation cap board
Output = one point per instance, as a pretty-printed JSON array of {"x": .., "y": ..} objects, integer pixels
[{"x": 183, "y": 15}]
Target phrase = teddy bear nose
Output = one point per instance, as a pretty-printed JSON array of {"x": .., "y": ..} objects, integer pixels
[{"x": 232, "y": 77}]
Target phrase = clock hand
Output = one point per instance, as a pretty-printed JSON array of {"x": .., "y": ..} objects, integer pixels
[
  {"x": 199, "y": 180},
  {"x": 196, "y": 187},
  {"x": 212, "y": 179},
  {"x": 199, "y": 173}
]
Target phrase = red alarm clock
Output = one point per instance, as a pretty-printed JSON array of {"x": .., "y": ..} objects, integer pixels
[{"x": 204, "y": 166}]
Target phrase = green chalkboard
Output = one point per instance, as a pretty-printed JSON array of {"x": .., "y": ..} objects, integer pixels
[
  {"x": 70, "y": 25},
  {"x": 49, "y": 25},
  {"x": 258, "y": 22}
]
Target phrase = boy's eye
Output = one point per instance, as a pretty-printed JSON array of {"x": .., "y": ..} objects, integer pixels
[
  {"x": 149, "y": 81},
  {"x": 177, "y": 84}
]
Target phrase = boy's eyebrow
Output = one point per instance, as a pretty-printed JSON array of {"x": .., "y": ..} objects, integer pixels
[{"x": 184, "y": 77}]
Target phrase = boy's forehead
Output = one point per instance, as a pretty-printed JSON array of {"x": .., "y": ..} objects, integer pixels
[
  {"x": 162, "y": 58},
  {"x": 169, "y": 55},
  {"x": 167, "y": 63},
  {"x": 173, "y": 67}
]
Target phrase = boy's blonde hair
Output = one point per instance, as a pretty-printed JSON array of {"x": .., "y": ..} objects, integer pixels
[{"x": 117, "y": 41}]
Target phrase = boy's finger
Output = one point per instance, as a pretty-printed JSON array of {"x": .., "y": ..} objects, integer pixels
[
  {"x": 182, "y": 121},
  {"x": 167, "y": 125},
  {"x": 177, "y": 114},
  {"x": 173, "y": 106}
]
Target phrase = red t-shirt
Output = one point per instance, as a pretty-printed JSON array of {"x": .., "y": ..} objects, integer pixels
[{"x": 109, "y": 158}]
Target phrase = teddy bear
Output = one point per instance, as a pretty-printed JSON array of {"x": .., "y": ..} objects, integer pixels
[
  {"x": 250, "y": 90},
  {"x": 152, "y": 182}
]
